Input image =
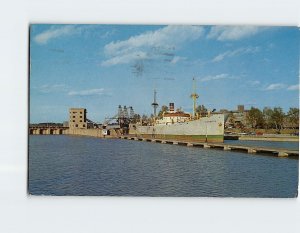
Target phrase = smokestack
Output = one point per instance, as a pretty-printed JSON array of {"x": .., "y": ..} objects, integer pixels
[{"x": 171, "y": 107}]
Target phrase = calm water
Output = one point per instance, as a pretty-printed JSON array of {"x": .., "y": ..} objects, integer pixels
[
  {"x": 66, "y": 165},
  {"x": 286, "y": 145}
]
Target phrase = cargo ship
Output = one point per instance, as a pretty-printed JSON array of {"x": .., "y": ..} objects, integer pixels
[{"x": 178, "y": 125}]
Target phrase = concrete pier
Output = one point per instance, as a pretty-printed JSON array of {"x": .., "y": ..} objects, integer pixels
[
  {"x": 226, "y": 147},
  {"x": 279, "y": 152},
  {"x": 205, "y": 145},
  {"x": 251, "y": 151}
]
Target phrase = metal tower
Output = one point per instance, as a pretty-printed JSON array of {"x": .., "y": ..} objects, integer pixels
[
  {"x": 120, "y": 115},
  {"x": 131, "y": 112},
  {"x": 120, "y": 112},
  {"x": 125, "y": 112},
  {"x": 194, "y": 96},
  {"x": 154, "y": 104}
]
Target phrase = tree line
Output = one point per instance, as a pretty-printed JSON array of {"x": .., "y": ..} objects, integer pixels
[{"x": 272, "y": 118}]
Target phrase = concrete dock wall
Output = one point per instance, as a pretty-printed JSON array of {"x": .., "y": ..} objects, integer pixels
[
  {"x": 85, "y": 132},
  {"x": 93, "y": 132}
]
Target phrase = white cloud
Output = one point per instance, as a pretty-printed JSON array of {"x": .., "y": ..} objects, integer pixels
[
  {"x": 236, "y": 52},
  {"x": 293, "y": 87},
  {"x": 89, "y": 92},
  {"x": 224, "y": 33},
  {"x": 55, "y": 32},
  {"x": 124, "y": 59},
  {"x": 254, "y": 82},
  {"x": 217, "y": 77},
  {"x": 151, "y": 44},
  {"x": 275, "y": 86},
  {"x": 47, "y": 88},
  {"x": 177, "y": 59}
]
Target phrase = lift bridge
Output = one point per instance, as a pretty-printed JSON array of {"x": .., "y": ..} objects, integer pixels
[{"x": 123, "y": 117}]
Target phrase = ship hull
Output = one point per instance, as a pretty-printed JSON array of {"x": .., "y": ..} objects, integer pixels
[{"x": 206, "y": 129}]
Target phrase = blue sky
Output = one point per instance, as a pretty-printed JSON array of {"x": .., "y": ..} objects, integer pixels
[{"x": 99, "y": 67}]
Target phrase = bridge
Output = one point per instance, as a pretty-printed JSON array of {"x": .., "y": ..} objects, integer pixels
[{"x": 47, "y": 130}]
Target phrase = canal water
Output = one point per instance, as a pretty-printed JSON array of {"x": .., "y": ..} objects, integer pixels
[
  {"x": 70, "y": 165},
  {"x": 283, "y": 145}
]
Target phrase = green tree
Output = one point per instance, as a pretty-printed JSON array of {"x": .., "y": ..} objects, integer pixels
[
  {"x": 293, "y": 117},
  {"x": 201, "y": 110},
  {"x": 136, "y": 118},
  {"x": 179, "y": 110},
  {"x": 278, "y": 117},
  {"x": 268, "y": 112},
  {"x": 164, "y": 108},
  {"x": 144, "y": 117},
  {"x": 255, "y": 118}
]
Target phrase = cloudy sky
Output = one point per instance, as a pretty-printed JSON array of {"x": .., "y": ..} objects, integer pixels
[{"x": 99, "y": 67}]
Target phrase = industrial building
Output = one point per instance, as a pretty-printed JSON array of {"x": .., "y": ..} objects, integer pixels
[
  {"x": 237, "y": 118},
  {"x": 77, "y": 118}
]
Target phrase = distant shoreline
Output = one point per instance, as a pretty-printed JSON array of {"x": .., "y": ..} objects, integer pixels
[{"x": 279, "y": 138}]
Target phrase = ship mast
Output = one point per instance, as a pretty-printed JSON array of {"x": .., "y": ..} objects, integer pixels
[
  {"x": 154, "y": 104},
  {"x": 194, "y": 96}
]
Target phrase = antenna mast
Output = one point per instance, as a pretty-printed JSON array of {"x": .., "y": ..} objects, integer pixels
[
  {"x": 194, "y": 96},
  {"x": 154, "y": 104}
]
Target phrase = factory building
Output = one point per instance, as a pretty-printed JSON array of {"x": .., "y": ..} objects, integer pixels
[
  {"x": 77, "y": 118},
  {"x": 237, "y": 118}
]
